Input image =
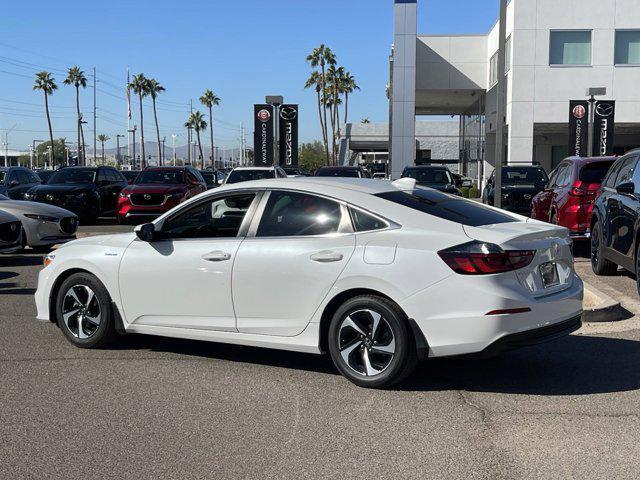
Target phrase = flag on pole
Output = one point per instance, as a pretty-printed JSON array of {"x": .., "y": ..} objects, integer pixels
[{"x": 128, "y": 96}]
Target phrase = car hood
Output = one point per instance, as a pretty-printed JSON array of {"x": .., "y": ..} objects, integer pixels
[
  {"x": 20, "y": 207},
  {"x": 63, "y": 188},
  {"x": 117, "y": 241},
  {"x": 154, "y": 189}
]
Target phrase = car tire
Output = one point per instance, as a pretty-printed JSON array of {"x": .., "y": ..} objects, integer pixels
[
  {"x": 599, "y": 264},
  {"x": 370, "y": 342},
  {"x": 93, "y": 324}
]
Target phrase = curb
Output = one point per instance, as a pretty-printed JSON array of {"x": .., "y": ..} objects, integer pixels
[{"x": 606, "y": 309}]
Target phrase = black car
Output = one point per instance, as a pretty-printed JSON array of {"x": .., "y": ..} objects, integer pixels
[
  {"x": 16, "y": 181},
  {"x": 351, "y": 172},
  {"x": 212, "y": 179},
  {"x": 519, "y": 185},
  {"x": 89, "y": 192},
  {"x": 615, "y": 222},
  {"x": 295, "y": 172},
  {"x": 433, "y": 176},
  {"x": 44, "y": 175}
]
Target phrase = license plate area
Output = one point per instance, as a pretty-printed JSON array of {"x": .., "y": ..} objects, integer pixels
[{"x": 549, "y": 274}]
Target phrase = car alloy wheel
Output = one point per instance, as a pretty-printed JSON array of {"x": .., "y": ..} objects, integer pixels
[
  {"x": 366, "y": 342},
  {"x": 81, "y": 311}
]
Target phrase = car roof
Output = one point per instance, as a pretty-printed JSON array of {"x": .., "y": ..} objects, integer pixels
[
  {"x": 340, "y": 167},
  {"x": 426, "y": 167},
  {"x": 592, "y": 159},
  {"x": 168, "y": 167},
  {"x": 253, "y": 168}
]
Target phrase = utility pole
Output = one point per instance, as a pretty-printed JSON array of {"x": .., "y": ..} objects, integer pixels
[
  {"x": 30, "y": 156},
  {"x": 500, "y": 107},
  {"x": 6, "y": 144},
  {"x": 95, "y": 145},
  {"x": 118, "y": 158},
  {"x": 189, "y": 145},
  {"x": 173, "y": 137},
  {"x": 163, "y": 155}
]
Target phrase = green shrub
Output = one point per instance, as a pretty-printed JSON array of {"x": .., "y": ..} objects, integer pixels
[
  {"x": 474, "y": 192},
  {"x": 465, "y": 191}
]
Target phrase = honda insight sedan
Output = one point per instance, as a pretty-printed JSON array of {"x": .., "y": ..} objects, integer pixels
[{"x": 377, "y": 274}]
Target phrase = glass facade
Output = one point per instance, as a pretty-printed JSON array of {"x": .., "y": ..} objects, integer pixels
[{"x": 570, "y": 47}]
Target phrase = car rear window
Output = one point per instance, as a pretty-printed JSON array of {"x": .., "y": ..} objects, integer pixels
[
  {"x": 238, "y": 176},
  {"x": 441, "y": 205},
  {"x": 523, "y": 176},
  {"x": 594, "y": 172},
  {"x": 338, "y": 172}
]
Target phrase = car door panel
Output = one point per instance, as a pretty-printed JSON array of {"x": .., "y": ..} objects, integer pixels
[
  {"x": 623, "y": 208},
  {"x": 279, "y": 283},
  {"x": 171, "y": 283}
]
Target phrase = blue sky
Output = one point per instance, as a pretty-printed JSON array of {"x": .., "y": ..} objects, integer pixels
[{"x": 240, "y": 49}]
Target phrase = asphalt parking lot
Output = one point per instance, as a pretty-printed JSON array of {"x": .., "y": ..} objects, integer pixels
[{"x": 159, "y": 408}]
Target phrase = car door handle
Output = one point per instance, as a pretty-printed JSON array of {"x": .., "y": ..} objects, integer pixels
[
  {"x": 327, "y": 256},
  {"x": 217, "y": 256}
]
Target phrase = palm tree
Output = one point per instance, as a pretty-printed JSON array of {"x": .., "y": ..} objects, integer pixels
[
  {"x": 153, "y": 89},
  {"x": 140, "y": 86},
  {"x": 209, "y": 100},
  {"x": 349, "y": 85},
  {"x": 76, "y": 77},
  {"x": 323, "y": 56},
  {"x": 315, "y": 81},
  {"x": 103, "y": 138},
  {"x": 46, "y": 83},
  {"x": 198, "y": 123},
  {"x": 334, "y": 87}
]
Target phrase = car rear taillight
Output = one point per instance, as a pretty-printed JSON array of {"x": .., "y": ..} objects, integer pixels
[
  {"x": 478, "y": 258},
  {"x": 582, "y": 189}
]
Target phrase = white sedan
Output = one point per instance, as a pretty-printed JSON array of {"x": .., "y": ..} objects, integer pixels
[{"x": 377, "y": 274}]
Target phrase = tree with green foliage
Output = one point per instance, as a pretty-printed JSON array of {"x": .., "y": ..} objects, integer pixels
[
  {"x": 312, "y": 156},
  {"x": 210, "y": 100},
  {"x": 140, "y": 86},
  {"x": 322, "y": 57},
  {"x": 47, "y": 84},
  {"x": 76, "y": 77},
  {"x": 198, "y": 123},
  {"x": 59, "y": 152}
]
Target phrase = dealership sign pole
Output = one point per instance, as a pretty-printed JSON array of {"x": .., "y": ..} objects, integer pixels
[
  {"x": 263, "y": 137},
  {"x": 578, "y": 128}
]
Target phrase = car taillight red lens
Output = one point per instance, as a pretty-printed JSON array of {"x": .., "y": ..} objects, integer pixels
[
  {"x": 582, "y": 189},
  {"x": 478, "y": 258}
]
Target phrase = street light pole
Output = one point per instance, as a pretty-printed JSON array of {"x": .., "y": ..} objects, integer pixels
[
  {"x": 133, "y": 159},
  {"x": 118, "y": 158},
  {"x": 173, "y": 136}
]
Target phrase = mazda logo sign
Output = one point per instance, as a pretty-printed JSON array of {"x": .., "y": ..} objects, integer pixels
[
  {"x": 264, "y": 115},
  {"x": 50, "y": 198},
  {"x": 13, "y": 227},
  {"x": 604, "y": 109},
  {"x": 579, "y": 111},
  {"x": 288, "y": 113},
  {"x": 527, "y": 196},
  {"x": 147, "y": 196}
]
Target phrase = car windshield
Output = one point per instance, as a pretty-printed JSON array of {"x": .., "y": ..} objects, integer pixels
[
  {"x": 238, "y": 176},
  {"x": 431, "y": 176},
  {"x": 338, "y": 172},
  {"x": 523, "y": 176},
  {"x": 130, "y": 175},
  {"x": 161, "y": 177},
  {"x": 73, "y": 175},
  {"x": 447, "y": 207},
  {"x": 595, "y": 172},
  {"x": 45, "y": 175}
]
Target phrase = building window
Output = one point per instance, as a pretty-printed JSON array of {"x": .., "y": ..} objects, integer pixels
[
  {"x": 493, "y": 70},
  {"x": 628, "y": 47},
  {"x": 570, "y": 47},
  {"x": 507, "y": 57}
]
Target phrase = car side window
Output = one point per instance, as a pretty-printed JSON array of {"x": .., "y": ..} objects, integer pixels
[
  {"x": 552, "y": 178},
  {"x": 23, "y": 177},
  {"x": 364, "y": 222},
  {"x": 102, "y": 176},
  {"x": 293, "y": 214},
  {"x": 610, "y": 179},
  {"x": 118, "y": 176},
  {"x": 220, "y": 217},
  {"x": 626, "y": 171},
  {"x": 33, "y": 178},
  {"x": 562, "y": 179}
]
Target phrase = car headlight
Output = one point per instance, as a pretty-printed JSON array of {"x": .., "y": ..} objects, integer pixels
[
  {"x": 42, "y": 218},
  {"x": 124, "y": 195},
  {"x": 48, "y": 259},
  {"x": 28, "y": 196}
]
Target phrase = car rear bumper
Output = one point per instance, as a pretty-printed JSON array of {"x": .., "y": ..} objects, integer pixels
[{"x": 454, "y": 315}]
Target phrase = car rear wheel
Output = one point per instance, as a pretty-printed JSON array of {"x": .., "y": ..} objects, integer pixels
[
  {"x": 599, "y": 264},
  {"x": 370, "y": 342},
  {"x": 84, "y": 313}
]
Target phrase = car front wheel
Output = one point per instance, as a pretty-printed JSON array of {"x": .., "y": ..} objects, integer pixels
[
  {"x": 370, "y": 342},
  {"x": 84, "y": 312}
]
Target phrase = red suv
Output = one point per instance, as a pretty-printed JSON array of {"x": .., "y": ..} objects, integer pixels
[
  {"x": 157, "y": 190},
  {"x": 569, "y": 196}
]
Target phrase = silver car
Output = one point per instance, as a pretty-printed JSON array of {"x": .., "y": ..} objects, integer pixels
[
  {"x": 43, "y": 225},
  {"x": 10, "y": 233}
]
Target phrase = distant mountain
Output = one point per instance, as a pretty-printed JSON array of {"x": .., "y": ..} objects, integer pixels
[{"x": 151, "y": 149}]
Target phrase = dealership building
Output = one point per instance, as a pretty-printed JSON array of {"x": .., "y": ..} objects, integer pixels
[{"x": 555, "y": 50}]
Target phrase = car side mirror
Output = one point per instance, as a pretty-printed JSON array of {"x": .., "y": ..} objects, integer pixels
[
  {"x": 626, "y": 188},
  {"x": 146, "y": 232}
]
